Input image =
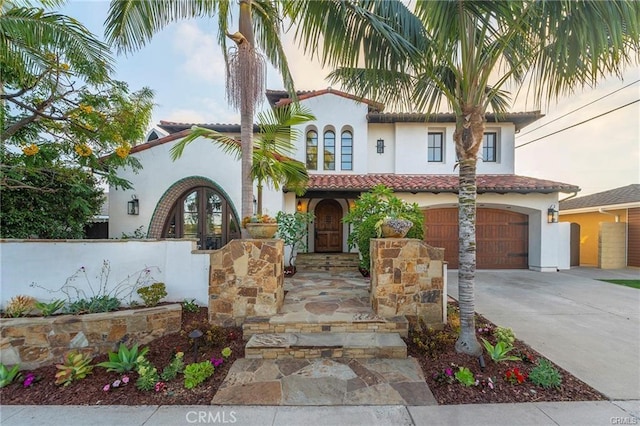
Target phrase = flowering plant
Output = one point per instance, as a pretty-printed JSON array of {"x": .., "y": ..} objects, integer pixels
[
  {"x": 28, "y": 380},
  {"x": 486, "y": 383},
  {"x": 116, "y": 383},
  {"x": 257, "y": 218},
  {"x": 445, "y": 376},
  {"x": 515, "y": 376}
]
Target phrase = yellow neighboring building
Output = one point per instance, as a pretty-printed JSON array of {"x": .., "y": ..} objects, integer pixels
[{"x": 609, "y": 227}]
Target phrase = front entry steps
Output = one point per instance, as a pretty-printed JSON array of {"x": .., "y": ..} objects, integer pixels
[
  {"x": 325, "y": 345},
  {"x": 327, "y": 262}
]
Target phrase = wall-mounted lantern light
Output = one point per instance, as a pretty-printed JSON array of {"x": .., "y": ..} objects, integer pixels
[
  {"x": 133, "y": 206},
  {"x": 380, "y": 146},
  {"x": 299, "y": 206},
  {"x": 552, "y": 214}
]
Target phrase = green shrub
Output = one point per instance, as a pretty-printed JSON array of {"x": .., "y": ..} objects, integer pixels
[
  {"x": 152, "y": 294},
  {"x": 545, "y": 375},
  {"x": 369, "y": 209},
  {"x": 465, "y": 376},
  {"x": 124, "y": 360},
  {"x": 175, "y": 366},
  {"x": 147, "y": 374},
  {"x": 8, "y": 376},
  {"x": 431, "y": 342},
  {"x": 196, "y": 373},
  {"x": 94, "y": 304},
  {"x": 190, "y": 306},
  {"x": 498, "y": 353},
  {"x": 48, "y": 309},
  {"x": 504, "y": 334},
  {"x": 76, "y": 366}
]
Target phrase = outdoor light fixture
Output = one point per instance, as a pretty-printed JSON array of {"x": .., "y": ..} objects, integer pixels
[
  {"x": 133, "y": 206},
  {"x": 380, "y": 146},
  {"x": 299, "y": 206},
  {"x": 195, "y": 335},
  {"x": 552, "y": 214},
  {"x": 255, "y": 206}
]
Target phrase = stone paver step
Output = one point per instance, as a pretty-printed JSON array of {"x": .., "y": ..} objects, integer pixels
[
  {"x": 325, "y": 345},
  {"x": 336, "y": 323}
]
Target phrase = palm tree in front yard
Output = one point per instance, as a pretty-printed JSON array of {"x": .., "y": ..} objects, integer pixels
[{"x": 472, "y": 54}]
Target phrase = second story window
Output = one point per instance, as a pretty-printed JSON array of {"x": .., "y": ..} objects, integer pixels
[
  {"x": 329, "y": 150},
  {"x": 346, "y": 151},
  {"x": 312, "y": 150},
  {"x": 490, "y": 148},
  {"x": 434, "y": 148}
]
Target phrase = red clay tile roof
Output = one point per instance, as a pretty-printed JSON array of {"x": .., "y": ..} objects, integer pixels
[
  {"x": 623, "y": 195},
  {"x": 520, "y": 119},
  {"x": 436, "y": 183}
]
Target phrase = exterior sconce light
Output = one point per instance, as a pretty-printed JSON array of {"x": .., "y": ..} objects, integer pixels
[
  {"x": 552, "y": 214},
  {"x": 380, "y": 146},
  {"x": 133, "y": 206},
  {"x": 299, "y": 206}
]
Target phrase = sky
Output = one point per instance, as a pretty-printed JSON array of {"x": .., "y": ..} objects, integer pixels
[{"x": 183, "y": 65}]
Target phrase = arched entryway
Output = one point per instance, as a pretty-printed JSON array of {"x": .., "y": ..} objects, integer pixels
[
  {"x": 328, "y": 227},
  {"x": 502, "y": 237},
  {"x": 196, "y": 208}
]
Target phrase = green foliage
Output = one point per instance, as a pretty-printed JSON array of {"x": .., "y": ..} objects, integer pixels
[
  {"x": 465, "y": 376},
  {"x": 196, "y": 373},
  {"x": 152, "y": 294},
  {"x": 43, "y": 198},
  {"x": 147, "y": 374},
  {"x": 293, "y": 229},
  {"x": 545, "y": 375},
  {"x": 504, "y": 334},
  {"x": 76, "y": 366},
  {"x": 190, "y": 306},
  {"x": 48, "y": 309},
  {"x": 226, "y": 352},
  {"x": 175, "y": 366},
  {"x": 125, "y": 359},
  {"x": 499, "y": 352},
  {"x": 138, "y": 234},
  {"x": 369, "y": 209},
  {"x": 19, "y": 306},
  {"x": 431, "y": 342},
  {"x": 94, "y": 304},
  {"x": 8, "y": 376}
]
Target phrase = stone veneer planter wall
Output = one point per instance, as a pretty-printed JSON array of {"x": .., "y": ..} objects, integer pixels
[
  {"x": 246, "y": 279},
  {"x": 37, "y": 341},
  {"x": 407, "y": 278}
]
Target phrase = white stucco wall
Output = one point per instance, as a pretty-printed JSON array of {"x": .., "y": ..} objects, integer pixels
[{"x": 50, "y": 263}]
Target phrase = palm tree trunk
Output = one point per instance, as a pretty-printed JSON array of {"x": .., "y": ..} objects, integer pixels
[
  {"x": 468, "y": 137},
  {"x": 246, "y": 120}
]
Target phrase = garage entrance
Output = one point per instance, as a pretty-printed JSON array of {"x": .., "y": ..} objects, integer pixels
[{"x": 502, "y": 237}]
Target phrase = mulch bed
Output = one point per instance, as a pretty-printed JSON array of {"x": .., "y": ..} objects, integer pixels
[{"x": 89, "y": 391}]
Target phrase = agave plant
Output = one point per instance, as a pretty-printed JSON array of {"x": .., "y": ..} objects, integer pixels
[{"x": 125, "y": 359}]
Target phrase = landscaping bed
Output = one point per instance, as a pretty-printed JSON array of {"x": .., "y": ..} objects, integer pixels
[{"x": 434, "y": 350}]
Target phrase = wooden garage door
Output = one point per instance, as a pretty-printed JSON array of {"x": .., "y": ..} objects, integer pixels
[
  {"x": 633, "y": 237},
  {"x": 502, "y": 237}
]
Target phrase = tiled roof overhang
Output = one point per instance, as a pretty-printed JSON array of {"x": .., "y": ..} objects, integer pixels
[
  {"x": 519, "y": 119},
  {"x": 500, "y": 184}
]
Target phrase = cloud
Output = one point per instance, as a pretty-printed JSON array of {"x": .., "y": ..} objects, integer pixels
[{"x": 200, "y": 52}]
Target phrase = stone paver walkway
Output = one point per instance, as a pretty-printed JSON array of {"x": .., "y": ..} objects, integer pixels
[{"x": 325, "y": 382}]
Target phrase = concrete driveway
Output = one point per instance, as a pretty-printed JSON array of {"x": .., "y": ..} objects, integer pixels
[{"x": 588, "y": 327}]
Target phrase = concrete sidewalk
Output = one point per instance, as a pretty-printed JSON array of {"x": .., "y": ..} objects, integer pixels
[
  {"x": 543, "y": 413},
  {"x": 588, "y": 327}
]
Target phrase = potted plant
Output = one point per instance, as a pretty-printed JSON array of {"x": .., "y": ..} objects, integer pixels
[
  {"x": 260, "y": 226},
  {"x": 293, "y": 230},
  {"x": 374, "y": 209}
]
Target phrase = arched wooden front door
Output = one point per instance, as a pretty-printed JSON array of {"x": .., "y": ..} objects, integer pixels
[{"x": 328, "y": 234}]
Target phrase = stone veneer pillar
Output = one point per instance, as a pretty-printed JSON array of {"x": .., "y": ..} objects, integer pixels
[
  {"x": 246, "y": 278},
  {"x": 407, "y": 279}
]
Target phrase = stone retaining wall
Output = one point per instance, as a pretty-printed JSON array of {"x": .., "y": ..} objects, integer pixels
[
  {"x": 407, "y": 278},
  {"x": 38, "y": 341},
  {"x": 246, "y": 279}
]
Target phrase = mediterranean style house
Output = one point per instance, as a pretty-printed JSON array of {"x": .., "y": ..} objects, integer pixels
[{"x": 350, "y": 147}]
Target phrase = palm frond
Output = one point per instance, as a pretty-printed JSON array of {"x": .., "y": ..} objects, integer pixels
[{"x": 228, "y": 144}]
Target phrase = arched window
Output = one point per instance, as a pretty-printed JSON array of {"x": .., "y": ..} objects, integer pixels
[
  {"x": 329, "y": 150},
  {"x": 202, "y": 213},
  {"x": 312, "y": 150},
  {"x": 346, "y": 151}
]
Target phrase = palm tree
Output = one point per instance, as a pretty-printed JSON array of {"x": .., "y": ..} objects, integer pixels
[
  {"x": 472, "y": 53},
  {"x": 271, "y": 162}
]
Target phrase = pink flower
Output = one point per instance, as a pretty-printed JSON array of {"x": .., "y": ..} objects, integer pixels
[
  {"x": 125, "y": 379},
  {"x": 216, "y": 361},
  {"x": 161, "y": 386},
  {"x": 116, "y": 383},
  {"x": 28, "y": 381},
  {"x": 106, "y": 387},
  {"x": 448, "y": 372}
]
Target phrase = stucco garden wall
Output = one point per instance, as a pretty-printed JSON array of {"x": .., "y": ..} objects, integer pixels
[{"x": 48, "y": 264}]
